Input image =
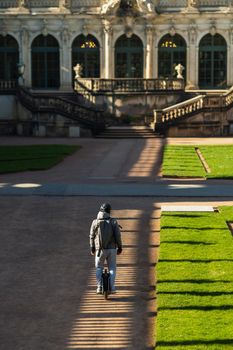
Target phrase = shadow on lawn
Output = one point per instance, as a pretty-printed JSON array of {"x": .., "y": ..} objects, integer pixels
[
  {"x": 205, "y": 261},
  {"x": 197, "y": 281},
  {"x": 196, "y": 342},
  {"x": 193, "y": 228},
  {"x": 199, "y": 308},
  {"x": 188, "y": 242},
  {"x": 201, "y": 294}
]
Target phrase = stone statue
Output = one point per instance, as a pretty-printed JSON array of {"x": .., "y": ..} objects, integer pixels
[
  {"x": 144, "y": 6},
  {"x": 110, "y": 6},
  {"x": 179, "y": 69},
  {"x": 78, "y": 70}
]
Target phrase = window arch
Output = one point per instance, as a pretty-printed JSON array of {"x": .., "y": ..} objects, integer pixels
[
  {"x": 171, "y": 51},
  {"x": 9, "y": 58},
  {"x": 212, "y": 61},
  {"x": 86, "y": 52},
  {"x": 45, "y": 62},
  {"x": 129, "y": 57}
]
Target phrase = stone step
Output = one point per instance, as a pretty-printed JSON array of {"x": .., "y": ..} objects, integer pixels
[{"x": 127, "y": 132}]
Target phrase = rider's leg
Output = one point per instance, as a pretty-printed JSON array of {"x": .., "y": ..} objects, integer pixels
[
  {"x": 111, "y": 260},
  {"x": 99, "y": 264}
]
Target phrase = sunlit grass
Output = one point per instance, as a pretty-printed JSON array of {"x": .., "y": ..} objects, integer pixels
[
  {"x": 195, "y": 282},
  {"x": 219, "y": 159},
  {"x": 183, "y": 161},
  {"x": 34, "y": 157}
]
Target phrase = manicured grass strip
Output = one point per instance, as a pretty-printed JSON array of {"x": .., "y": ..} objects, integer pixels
[
  {"x": 34, "y": 157},
  {"x": 195, "y": 282},
  {"x": 219, "y": 159},
  {"x": 181, "y": 161}
]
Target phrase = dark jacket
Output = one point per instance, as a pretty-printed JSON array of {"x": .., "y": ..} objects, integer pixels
[{"x": 112, "y": 239}]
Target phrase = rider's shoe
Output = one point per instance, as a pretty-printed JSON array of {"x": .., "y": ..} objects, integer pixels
[{"x": 113, "y": 292}]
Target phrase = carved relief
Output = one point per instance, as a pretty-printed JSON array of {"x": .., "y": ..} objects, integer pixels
[
  {"x": 192, "y": 34},
  {"x": 141, "y": 6}
]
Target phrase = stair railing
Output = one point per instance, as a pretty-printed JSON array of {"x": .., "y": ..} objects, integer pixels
[
  {"x": 191, "y": 107},
  {"x": 42, "y": 103}
]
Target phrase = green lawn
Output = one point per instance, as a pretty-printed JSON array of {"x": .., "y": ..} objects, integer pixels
[
  {"x": 195, "y": 282},
  {"x": 34, "y": 157},
  {"x": 182, "y": 161},
  {"x": 219, "y": 159}
]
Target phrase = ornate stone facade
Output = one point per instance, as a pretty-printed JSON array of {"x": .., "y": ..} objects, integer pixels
[{"x": 149, "y": 20}]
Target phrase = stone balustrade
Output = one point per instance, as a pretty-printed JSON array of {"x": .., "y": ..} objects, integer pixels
[
  {"x": 45, "y": 103},
  {"x": 83, "y": 85},
  {"x": 179, "y": 110},
  {"x": 9, "y": 3},
  {"x": 210, "y": 102},
  {"x": 162, "y": 5},
  {"x": 8, "y": 85},
  {"x": 179, "y": 4},
  {"x": 43, "y": 3}
]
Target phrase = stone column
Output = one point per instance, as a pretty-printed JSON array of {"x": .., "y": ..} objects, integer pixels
[
  {"x": 192, "y": 60},
  {"x": 66, "y": 83},
  {"x": 149, "y": 52},
  {"x": 107, "y": 58},
  {"x": 230, "y": 58},
  {"x": 24, "y": 55}
]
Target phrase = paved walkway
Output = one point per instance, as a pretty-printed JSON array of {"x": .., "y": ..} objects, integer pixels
[{"x": 47, "y": 283}]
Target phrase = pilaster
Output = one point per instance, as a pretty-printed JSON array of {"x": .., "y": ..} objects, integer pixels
[
  {"x": 230, "y": 58},
  {"x": 192, "y": 60},
  {"x": 66, "y": 68},
  {"x": 24, "y": 54},
  {"x": 149, "y": 52},
  {"x": 107, "y": 59}
]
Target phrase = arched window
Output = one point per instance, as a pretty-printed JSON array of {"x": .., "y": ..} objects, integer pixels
[
  {"x": 129, "y": 57},
  {"x": 45, "y": 62},
  {"x": 9, "y": 58},
  {"x": 172, "y": 51},
  {"x": 86, "y": 52},
  {"x": 212, "y": 62}
]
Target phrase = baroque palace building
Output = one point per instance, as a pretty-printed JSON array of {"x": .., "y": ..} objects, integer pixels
[{"x": 41, "y": 41}]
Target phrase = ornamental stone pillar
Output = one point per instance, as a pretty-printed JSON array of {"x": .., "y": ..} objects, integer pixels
[
  {"x": 149, "y": 53},
  {"x": 66, "y": 76},
  {"x": 107, "y": 56},
  {"x": 24, "y": 55},
  {"x": 230, "y": 58},
  {"x": 192, "y": 60}
]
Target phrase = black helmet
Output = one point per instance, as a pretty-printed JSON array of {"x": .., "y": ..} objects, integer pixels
[{"x": 106, "y": 207}]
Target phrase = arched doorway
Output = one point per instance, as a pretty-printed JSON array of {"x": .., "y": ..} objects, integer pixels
[
  {"x": 212, "y": 62},
  {"x": 45, "y": 62},
  {"x": 171, "y": 51},
  {"x": 129, "y": 57},
  {"x": 86, "y": 52},
  {"x": 9, "y": 58}
]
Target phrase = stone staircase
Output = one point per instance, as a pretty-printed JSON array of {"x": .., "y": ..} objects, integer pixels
[{"x": 127, "y": 132}]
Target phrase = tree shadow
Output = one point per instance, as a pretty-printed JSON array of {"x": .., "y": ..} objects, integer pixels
[
  {"x": 199, "y": 308},
  {"x": 187, "y": 242},
  {"x": 194, "y": 293},
  {"x": 195, "y": 342}
]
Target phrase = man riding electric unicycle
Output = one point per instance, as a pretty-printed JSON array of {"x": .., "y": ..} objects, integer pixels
[{"x": 105, "y": 244}]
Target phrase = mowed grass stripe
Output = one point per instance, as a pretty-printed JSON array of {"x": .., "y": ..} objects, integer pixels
[
  {"x": 219, "y": 159},
  {"x": 195, "y": 282},
  {"x": 33, "y": 157},
  {"x": 183, "y": 161}
]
